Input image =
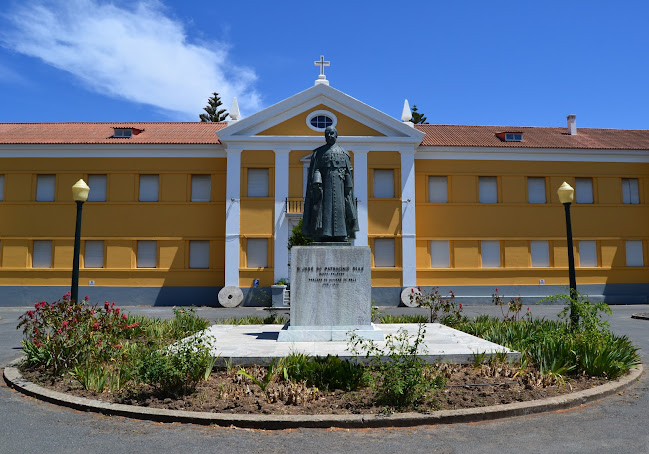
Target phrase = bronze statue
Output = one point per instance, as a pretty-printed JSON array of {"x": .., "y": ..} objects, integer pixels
[{"x": 329, "y": 205}]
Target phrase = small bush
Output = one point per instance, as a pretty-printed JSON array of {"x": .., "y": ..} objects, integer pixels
[
  {"x": 403, "y": 378},
  {"x": 442, "y": 309},
  {"x": 324, "y": 372}
]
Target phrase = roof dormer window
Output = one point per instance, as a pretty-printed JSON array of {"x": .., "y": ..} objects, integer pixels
[
  {"x": 123, "y": 133},
  {"x": 514, "y": 136}
]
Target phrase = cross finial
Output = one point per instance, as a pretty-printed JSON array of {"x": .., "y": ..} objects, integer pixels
[{"x": 322, "y": 79}]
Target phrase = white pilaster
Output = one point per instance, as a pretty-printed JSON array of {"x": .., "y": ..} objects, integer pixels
[
  {"x": 408, "y": 226},
  {"x": 232, "y": 216},
  {"x": 360, "y": 192},
  {"x": 280, "y": 221}
]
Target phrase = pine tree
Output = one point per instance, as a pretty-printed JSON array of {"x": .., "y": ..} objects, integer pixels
[
  {"x": 213, "y": 112},
  {"x": 418, "y": 118}
]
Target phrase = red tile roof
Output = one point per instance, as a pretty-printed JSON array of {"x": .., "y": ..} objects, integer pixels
[
  {"x": 534, "y": 137},
  {"x": 436, "y": 135},
  {"x": 96, "y": 133}
]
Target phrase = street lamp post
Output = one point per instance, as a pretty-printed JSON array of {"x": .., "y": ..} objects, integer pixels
[
  {"x": 566, "y": 196},
  {"x": 80, "y": 194}
]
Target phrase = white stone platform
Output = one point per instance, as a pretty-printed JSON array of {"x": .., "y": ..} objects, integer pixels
[{"x": 257, "y": 344}]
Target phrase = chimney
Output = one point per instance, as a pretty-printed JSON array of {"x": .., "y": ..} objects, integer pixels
[{"x": 572, "y": 125}]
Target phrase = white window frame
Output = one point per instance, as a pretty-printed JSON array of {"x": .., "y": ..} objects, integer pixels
[
  {"x": 440, "y": 254},
  {"x": 320, "y": 112},
  {"x": 201, "y": 188},
  {"x": 98, "y": 184},
  {"x": 584, "y": 190},
  {"x": 634, "y": 252},
  {"x": 489, "y": 251},
  {"x": 42, "y": 254},
  {"x": 149, "y": 190},
  {"x": 540, "y": 254},
  {"x": 93, "y": 254},
  {"x": 437, "y": 189},
  {"x": 258, "y": 189},
  {"x": 123, "y": 133},
  {"x": 488, "y": 189},
  {"x": 630, "y": 191},
  {"x": 147, "y": 254},
  {"x": 536, "y": 194},
  {"x": 383, "y": 183},
  {"x": 45, "y": 188},
  {"x": 199, "y": 254},
  {"x": 587, "y": 250},
  {"x": 384, "y": 253},
  {"x": 255, "y": 246}
]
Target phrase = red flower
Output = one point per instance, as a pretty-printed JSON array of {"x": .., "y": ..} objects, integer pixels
[
  {"x": 65, "y": 323},
  {"x": 36, "y": 331},
  {"x": 124, "y": 317},
  {"x": 496, "y": 290},
  {"x": 412, "y": 290},
  {"x": 31, "y": 314},
  {"x": 419, "y": 288},
  {"x": 59, "y": 331},
  {"x": 86, "y": 298},
  {"x": 106, "y": 305},
  {"x": 460, "y": 305},
  {"x": 117, "y": 311},
  {"x": 528, "y": 308},
  {"x": 96, "y": 325},
  {"x": 118, "y": 346}
]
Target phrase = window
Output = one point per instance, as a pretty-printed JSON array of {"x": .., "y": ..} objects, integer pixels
[
  {"x": 540, "y": 252},
  {"x": 2, "y": 188},
  {"x": 587, "y": 253},
  {"x": 149, "y": 188},
  {"x": 440, "y": 254},
  {"x": 438, "y": 189},
  {"x": 384, "y": 183},
  {"x": 199, "y": 254},
  {"x": 42, "y": 254},
  {"x": 536, "y": 190},
  {"x": 45, "y": 185},
  {"x": 257, "y": 182},
  {"x": 97, "y": 184},
  {"x": 123, "y": 133},
  {"x": 513, "y": 137},
  {"x": 201, "y": 188},
  {"x": 384, "y": 252},
  {"x": 630, "y": 192},
  {"x": 488, "y": 187},
  {"x": 147, "y": 254},
  {"x": 257, "y": 253},
  {"x": 583, "y": 190},
  {"x": 490, "y": 253},
  {"x": 320, "y": 120},
  {"x": 634, "y": 255},
  {"x": 93, "y": 256}
]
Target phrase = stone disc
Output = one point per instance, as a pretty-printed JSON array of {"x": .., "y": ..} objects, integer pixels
[
  {"x": 409, "y": 296},
  {"x": 230, "y": 296}
]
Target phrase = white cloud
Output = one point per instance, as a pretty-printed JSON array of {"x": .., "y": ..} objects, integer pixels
[{"x": 136, "y": 53}]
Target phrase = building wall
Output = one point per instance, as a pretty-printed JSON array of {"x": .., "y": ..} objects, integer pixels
[
  {"x": 121, "y": 221},
  {"x": 513, "y": 221}
]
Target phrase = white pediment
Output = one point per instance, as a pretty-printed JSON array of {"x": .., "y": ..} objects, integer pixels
[{"x": 390, "y": 131}]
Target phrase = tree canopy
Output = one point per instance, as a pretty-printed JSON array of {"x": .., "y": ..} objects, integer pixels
[
  {"x": 213, "y": 113},
  {"x": 418, "y": 118}
]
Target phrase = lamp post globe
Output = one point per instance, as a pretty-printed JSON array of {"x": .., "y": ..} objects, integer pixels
[
  {"x": 79, "y": 194},
  {"x": 566, "y": 195}
]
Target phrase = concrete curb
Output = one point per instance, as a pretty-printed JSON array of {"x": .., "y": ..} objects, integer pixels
[
  {"x": 15, "y": 380},
  {"x": 641, "y": 315}
]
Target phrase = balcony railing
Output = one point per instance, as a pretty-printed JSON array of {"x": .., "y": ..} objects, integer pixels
[{"x": 295, "y": 206}]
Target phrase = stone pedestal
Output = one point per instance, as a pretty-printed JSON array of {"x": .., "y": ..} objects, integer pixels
[{"x": 330, "y": 294}]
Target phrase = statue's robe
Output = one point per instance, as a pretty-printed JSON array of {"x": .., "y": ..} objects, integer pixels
[{"x": 330, "y": 210}]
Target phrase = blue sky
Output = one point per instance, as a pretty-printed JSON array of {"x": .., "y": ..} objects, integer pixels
[{"x": 513, "y": 63}]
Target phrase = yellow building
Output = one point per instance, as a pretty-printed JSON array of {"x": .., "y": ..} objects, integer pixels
[{"x": 179, "y": 210}]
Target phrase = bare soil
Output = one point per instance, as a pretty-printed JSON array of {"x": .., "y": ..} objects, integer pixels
[{"x": 227, "y": 392}]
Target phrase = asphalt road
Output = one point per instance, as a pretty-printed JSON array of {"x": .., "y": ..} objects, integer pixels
[{"x": 617, "y": 424}]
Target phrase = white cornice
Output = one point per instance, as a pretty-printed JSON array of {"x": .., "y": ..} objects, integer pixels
[
  {"x": 112, "y": 151},
  {"x": 311, "y": 142},
  {"x": 312, "y": 97},
  {"x": 532, "y": 154}
]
